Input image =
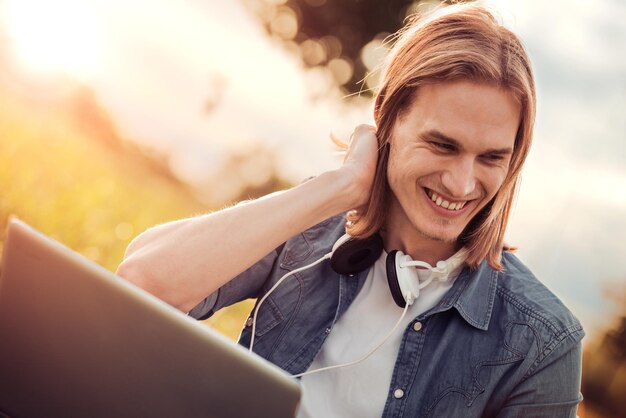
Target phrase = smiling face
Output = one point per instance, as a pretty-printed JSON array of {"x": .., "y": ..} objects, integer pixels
[{"x": 450, "y": 153}]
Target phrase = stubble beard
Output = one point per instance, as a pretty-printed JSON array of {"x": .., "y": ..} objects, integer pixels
[{"x": 440, "y": 237}]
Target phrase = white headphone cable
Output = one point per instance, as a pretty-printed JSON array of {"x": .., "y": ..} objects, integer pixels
[
  {"x": 256, "y": 311},
  {"x": 408, "y": 297},
  {"x": 409, "y": 302}
]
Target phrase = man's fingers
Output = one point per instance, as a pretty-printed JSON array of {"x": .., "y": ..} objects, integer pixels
[{"x": 362, "y": 141}]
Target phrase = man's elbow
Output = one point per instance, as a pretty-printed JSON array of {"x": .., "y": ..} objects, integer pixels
[
  {"x": 142, "y": 275},
  {"x": 134, "y": 273}
]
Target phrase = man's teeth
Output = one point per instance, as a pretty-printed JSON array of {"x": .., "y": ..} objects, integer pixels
[{"x": 444, "y": 203}]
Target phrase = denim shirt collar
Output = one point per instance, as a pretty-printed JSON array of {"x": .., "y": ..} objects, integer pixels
[{"x": 472, "y": 295}]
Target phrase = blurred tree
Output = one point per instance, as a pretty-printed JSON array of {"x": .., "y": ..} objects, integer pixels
[
  {"x": 604, "y": 372},
  {"x": 343, "y": 37}
]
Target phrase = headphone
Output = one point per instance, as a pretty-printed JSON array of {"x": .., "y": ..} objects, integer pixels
[{"x": 350, "y": 256}]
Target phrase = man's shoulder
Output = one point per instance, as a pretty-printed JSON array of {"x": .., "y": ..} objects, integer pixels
[
  {"x": 314, "y": 242},
  {"x": 327, "y": 231},
  {"x": 524, "y": 296}
]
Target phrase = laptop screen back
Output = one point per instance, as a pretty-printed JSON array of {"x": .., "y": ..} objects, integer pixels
[{"x": 75, "y": 340}]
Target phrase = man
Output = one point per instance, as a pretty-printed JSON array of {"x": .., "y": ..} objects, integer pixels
[{"x": 436, "y": 180}]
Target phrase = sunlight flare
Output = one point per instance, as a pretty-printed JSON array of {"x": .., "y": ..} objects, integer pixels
[{"x": 54, "y": 37}]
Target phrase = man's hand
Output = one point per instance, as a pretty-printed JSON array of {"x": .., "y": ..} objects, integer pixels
[{"x": 359, "y": 164}]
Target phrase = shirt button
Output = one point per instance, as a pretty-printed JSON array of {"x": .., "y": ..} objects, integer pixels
[
  {"x": 417, "y": 326},
  {"x": 398, "y": 393},
  {"x": 249, "y": 322}
]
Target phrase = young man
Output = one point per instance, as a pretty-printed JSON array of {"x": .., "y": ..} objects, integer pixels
[{"x": 481, "y": 336}]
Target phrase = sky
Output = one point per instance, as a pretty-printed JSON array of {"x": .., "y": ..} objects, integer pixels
[{"x": 198, "y": 79}]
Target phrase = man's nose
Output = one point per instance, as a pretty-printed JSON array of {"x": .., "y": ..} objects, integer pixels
[{"x": 459, "y": 178}]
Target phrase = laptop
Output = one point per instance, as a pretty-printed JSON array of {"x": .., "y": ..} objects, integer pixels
[{"x": 78, "y": 341}]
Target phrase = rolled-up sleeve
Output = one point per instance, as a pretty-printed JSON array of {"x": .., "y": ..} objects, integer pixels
[{"x": 244, "y": 286}]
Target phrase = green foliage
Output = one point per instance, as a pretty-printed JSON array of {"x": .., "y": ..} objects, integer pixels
[
  {"x": 75, "y": 190},
  {"x": 94, "y": 198}
]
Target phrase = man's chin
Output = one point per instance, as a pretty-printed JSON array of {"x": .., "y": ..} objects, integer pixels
[{"x": 444, "y": 237}]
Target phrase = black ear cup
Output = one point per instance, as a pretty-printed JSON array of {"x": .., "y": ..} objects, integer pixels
[
  {"x": 351, "y": 256},
  {"x": 355, "y": 255},
  {"x": 392, "y": 279}
]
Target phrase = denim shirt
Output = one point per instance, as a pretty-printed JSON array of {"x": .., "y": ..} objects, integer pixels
[{"x": 499, "y": 344}]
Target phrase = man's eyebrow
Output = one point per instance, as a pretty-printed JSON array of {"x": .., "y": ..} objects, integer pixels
[
  {"x": 440, "y": 136},
  {"x": 435, "y": 134}
]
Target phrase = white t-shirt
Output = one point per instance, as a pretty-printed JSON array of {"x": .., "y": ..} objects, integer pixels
[{"x": 361, "y": 389}]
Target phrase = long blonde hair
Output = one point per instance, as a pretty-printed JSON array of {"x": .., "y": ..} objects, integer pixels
[{"x": 452, "y": 43}]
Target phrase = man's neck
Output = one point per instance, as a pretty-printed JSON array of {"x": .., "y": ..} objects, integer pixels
[
  {"x": 419, "y": 247},
  {"x": 400, "y": 234}
]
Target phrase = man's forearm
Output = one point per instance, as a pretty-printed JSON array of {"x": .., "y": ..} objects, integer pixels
[{"x": 183, "y": 261}]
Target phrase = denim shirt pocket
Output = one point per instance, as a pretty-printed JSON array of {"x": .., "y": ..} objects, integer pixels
[
  {"x": 279, "y": 317},
  {"x": 268, "y": 317}
]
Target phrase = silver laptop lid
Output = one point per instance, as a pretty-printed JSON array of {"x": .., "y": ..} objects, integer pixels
[{"x": 75, "y": 340}]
